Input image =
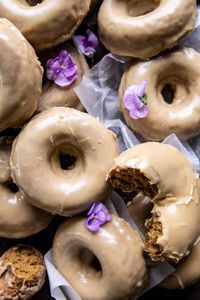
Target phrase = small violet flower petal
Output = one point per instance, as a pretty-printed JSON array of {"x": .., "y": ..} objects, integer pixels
[
  {"x": 133, "y": 100},
  {"x": 62, "y": 69},
  {"x": 86, "y": 44},
  {"x": 98, "y": 215}
]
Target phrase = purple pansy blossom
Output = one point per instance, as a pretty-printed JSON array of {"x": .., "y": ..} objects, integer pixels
[
  {"x": 98, "y": 215},
  {"x": 135, "y": 100},
  {"x": 86, "y": 44},
  {"x": 61, "y": 69}
]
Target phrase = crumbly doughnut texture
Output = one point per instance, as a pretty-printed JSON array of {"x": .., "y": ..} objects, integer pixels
[
  {"x": 22, "y": 273},
  {"x": 162, "y": 173}
]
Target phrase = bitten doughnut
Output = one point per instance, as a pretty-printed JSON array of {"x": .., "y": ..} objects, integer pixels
[
  {"x": 54, "y": 95},
  {"x": 144, "y": 28},
  {"x": 107, "y": 265},
  {"x": 178, "y": 70},
  {"x": 37, "y": 154},
  {"x": 163, "y": 174},
  {"x": 187, "y": 271},
  {"x": 21, "y": 77},
  {"x": 48, "y": 23},
  {"x": 18, "y": 219},
  {"x": 22, "y": 273}
]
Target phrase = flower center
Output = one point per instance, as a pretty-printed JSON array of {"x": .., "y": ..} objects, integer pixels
[{"x": 62, "y": 66}]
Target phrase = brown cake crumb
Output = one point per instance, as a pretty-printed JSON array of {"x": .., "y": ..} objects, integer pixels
[
  {"x": 154, "y": 228},
  {"x": 129, "y": 180},
  {"x": 22, "y": 273}
]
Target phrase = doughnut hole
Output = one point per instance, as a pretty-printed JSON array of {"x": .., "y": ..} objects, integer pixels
[
  {"x": 86, "y": 261},
  {"x": 65, "y": 159},
  {"x": 34, "y": 2},
  {"x": 173, "y": 88},
  {"x": 136, "y": 8},
  {"x": 12, "y": 187}
]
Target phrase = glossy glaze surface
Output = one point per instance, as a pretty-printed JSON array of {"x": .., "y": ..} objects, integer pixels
[
  {"x": 20, "y": 77},
  {"x": 144, "y": 28},
  {"x": 18, "y": 219},
  {"x": 180, "y": 70},
  {"x": 36, "y": 166},
  {"x": 118, "y": 249},
  {"x": 48, "y": 23},
  {"x": 176, "y": 202}
]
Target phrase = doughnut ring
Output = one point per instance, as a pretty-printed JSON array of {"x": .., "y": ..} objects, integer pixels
[
  {"x": 163, "y": 174},
  {"x": 144, "y": 28},
  {"x": 55, "y": 135},
  {"x": 178, "y": 71},
  {"x": 107, "y": 265}
]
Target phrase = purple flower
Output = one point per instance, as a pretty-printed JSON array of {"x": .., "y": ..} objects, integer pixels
[
  {"x": 86, "y": 44},
  {"x": 98, "y": 215},
  {"x": 61, "y": 69},
  {"x": 135, "y": 100}
]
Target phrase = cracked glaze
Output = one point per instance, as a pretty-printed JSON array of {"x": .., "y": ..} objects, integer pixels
[{"x": 36, "y": 166}]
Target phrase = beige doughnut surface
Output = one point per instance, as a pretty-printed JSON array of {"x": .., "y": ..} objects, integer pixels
[
  {"x": 36, "y": 166},
  {"x": 20, "y": 77},
  {"x": 22, "y": 273},
  {"x": 187, "y": 271},
  {"x": 117, "y": 248},
  {"x": 18, "y": 219},
  {"x": 54, "y": 95},
  {"x": 178, "y": 69},
  {"x": 144, "y": 28},
  {"x": 48, "y": 23},
  {"x": 162, "y": 173}
]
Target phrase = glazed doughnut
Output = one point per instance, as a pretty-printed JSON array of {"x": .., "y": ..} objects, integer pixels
[
  {"x": 163, "y": 174},
  {"x": 178, "y": 69},
  {"x": 18, "y": 219},
  {"x": 144, "y": 28},
  {"x": 54, "y": 95},
  {"x": 21, "y": 77},
  {"x": 36, "y": 160},
  {"x": 117, "y": 250},
  {"x": 187, "y": 271},
  {"x": 48, "y": 23}
]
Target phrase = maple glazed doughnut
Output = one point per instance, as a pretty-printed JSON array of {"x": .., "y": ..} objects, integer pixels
[
  {"x": 47, "y": 23},
  {"x": 18, "y": 219},
  {"x": 38, "y": 151},
  {"x": 144, "y": 28},
  {"x": 164, "y": 175},
  {"x": 120, "y": 271},
  {"x": 179, "y": 70},
  {"x": 187, "y": 271},
  {"x": 53, "y": 95},
  {"x": 20, "y": 77}
]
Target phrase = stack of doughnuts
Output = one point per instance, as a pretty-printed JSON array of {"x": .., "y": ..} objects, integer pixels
[{"x": 65, "y": 162}]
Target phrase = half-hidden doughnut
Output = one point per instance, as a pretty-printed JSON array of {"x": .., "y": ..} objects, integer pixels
[
  {"x": 144, "y": 28},
  {"x": 37, "y": 154},
  {"x": 21, "y": 77},
  {"x": 18, "y": 219},
  {"x": 162, "y": 173},
  {"x": 54, "y": 95},
  {"x": 48, "y": 23},
  {"x": 187, "y": 271},
  {"x": 177, "y": 71},
  {"x": 22, "y": 273},
  {"x": 107, "y": 265}
]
